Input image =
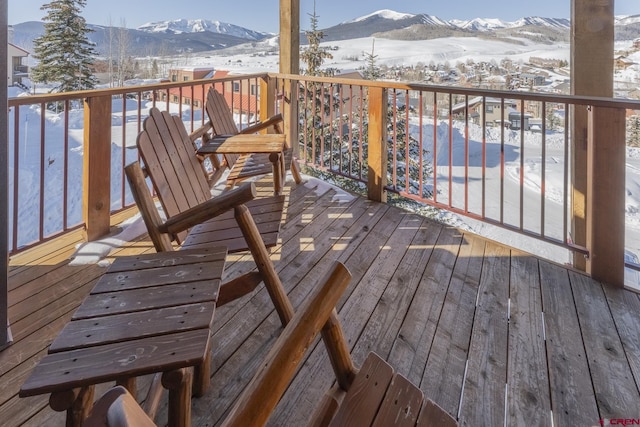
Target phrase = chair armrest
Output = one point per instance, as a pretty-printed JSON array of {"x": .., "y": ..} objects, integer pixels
[
  {"x": 200, "y": 132},
  {"x": 271, "y": 121},
  {"x": 266, "y": 388},
  {"x": 209, "y": 209}
]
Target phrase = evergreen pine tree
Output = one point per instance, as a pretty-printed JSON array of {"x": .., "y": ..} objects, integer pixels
[
  {"x": 633, "y": 131},
  {"x": 315, "y": 55},
  {"x": 371, "y": 71},
  {"x": 317, "y": 100},
  {"x": 64, "y": 52}
]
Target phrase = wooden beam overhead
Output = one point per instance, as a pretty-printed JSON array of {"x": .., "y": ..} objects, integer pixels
[{"x": 290, "y": 36}]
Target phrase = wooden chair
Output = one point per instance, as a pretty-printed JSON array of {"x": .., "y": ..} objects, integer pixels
[
  {"x": 194, "y": 219},
  {"x": 243, "y": 166},
  {"x": 373, "y": 395}
]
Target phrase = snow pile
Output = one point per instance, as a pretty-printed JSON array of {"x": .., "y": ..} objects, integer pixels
[
  {"x": 95, "y": 252},
  {"x": 321, "y": 187}
]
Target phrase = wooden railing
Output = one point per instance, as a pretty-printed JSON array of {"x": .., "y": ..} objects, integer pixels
[
  {"x": 443, "y": 147},
  {"x": 476, "y": 153},
  {"x": 67, "y": 152}
]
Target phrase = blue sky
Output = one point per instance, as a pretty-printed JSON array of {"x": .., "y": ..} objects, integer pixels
[{"x": 262, "y": 15}]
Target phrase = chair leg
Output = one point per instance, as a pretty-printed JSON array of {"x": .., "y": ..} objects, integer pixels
[
  {"x": 295, "y": 171},
  {"x": 276, "y": 160},
  {"x": 179, "y": 383},
  {"x": 265, "y": 266}
]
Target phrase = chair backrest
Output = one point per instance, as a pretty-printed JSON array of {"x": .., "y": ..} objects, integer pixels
[
  {"x": 220, "y": 114},
  {"x": 171, "y": 163},
  {"x": 221, "y": 119}
]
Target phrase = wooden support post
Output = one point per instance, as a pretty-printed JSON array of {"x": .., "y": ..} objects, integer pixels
[
  {"x": 606, "y": 195},
  {"x": 96, "y": 200},
  {"x": 377, "y": 174},
  {"x": 290, "y": 64},
  {"x": 5, "y": 333},
  {"x": 592, "y": 42}
]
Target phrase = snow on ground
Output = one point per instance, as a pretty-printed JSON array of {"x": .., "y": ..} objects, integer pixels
[
  {"x": 320, "y": 187},
  {"x": 350, "y": 53}
]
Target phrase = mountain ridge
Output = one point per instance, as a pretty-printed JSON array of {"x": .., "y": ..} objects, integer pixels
[{"x": 179, "y": 36}]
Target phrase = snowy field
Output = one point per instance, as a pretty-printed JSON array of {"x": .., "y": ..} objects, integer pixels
[{"x": 389, "y": 52}]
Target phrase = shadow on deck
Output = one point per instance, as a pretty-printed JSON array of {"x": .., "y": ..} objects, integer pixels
[{"x": 486, "y": 331}]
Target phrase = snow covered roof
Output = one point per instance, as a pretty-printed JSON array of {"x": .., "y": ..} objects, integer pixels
[{"x": 19, "y": 49}]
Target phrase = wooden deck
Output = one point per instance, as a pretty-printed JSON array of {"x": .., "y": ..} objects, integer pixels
[{"x": 493, "y": 335}]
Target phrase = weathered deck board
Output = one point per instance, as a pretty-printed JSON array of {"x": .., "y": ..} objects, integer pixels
[
  {"x": 410, "y": 352},
  {"x": 450, "y": 348},
  {"x": 483, "y": 396},
  {"x": 625, "y": 309},
  {"x": 412, "y": 299},
  {"x": 572, "y": 398},
  {"x": 391, "y": 236},
  {"x": 528, "y": 401},
  {"x": 616, "y": 391}
]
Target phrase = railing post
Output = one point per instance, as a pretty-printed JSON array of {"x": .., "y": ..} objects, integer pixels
[
  {"x": 606, "y": 195},
  {"x": 377, "y": 138},
  {"x": 292, "y": 123},
  {"x": 267, "y": 98},
  {"x": 592, "y": 47},
  {"x": 96, "y": 199}
]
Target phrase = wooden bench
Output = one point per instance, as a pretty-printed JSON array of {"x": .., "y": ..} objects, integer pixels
[
  {"x": 373, "y": 395},
  {"x": 148, "y": 314}
]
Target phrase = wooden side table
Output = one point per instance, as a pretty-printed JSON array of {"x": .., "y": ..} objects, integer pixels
[
  {"x": 268, "y": 147},
  {"x": 148, "y": 314}
]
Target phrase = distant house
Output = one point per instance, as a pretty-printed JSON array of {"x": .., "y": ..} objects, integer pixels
[
  {"x": 636, "y": 43},
  {"x": 529, "y": 79},
  {"x": 190, "y": 73},
  {"x": 562, "y": 87},
  {"x": 492, "y": 113},
  {"x": 494, "y": 83},
  {"x": 16, "y": 69},
  {"x": 545, "y": 62},
  {"x": 241, "y": 95},
  {"x": 622, "y": 63},
  {"x": 519, "y": 120}
]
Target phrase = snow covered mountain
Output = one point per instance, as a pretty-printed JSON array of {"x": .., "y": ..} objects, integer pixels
[
  {"x": 200, "y": 35},
  {"x": 628, "y": 20},
  {"x": 181, "y": 26},
  {"x": 481, "y": 24},
  {"x": 406, "y": 26}
]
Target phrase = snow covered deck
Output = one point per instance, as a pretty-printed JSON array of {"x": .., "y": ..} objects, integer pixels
[{"x": 486, "y": 331}]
